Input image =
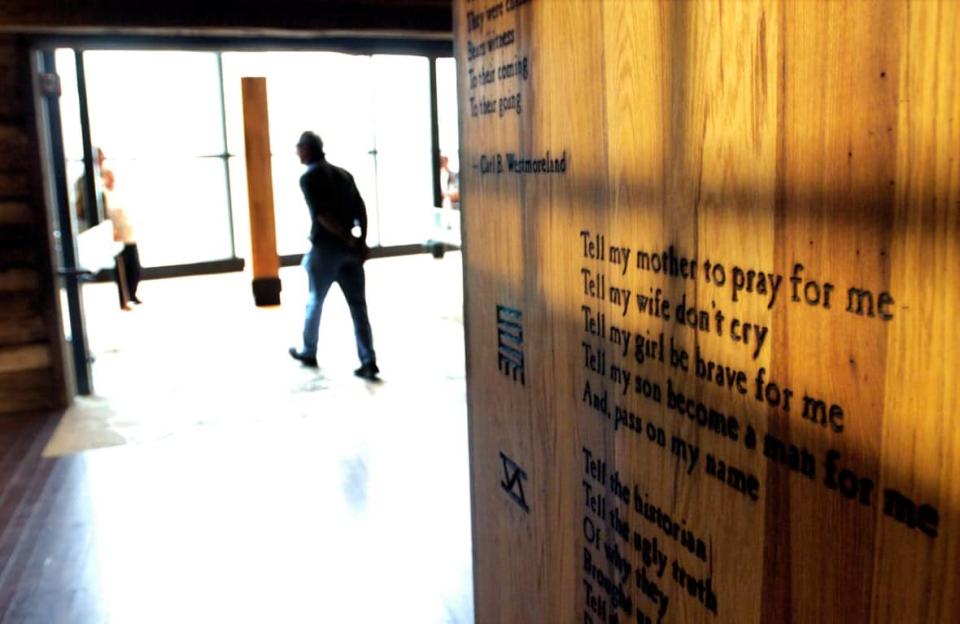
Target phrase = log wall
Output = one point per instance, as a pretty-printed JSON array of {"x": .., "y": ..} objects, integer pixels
[{"x": 31, "y": 364}]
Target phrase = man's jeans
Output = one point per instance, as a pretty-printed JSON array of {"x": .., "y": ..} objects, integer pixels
[{"x": 326, "y": 265}]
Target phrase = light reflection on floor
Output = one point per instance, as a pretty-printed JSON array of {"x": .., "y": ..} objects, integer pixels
[{"x": 236, "y": 486}]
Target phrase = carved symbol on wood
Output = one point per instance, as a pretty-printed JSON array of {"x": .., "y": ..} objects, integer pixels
[
  {"x": 514, "y": 476},
  {"x": 510, "y": 342}
]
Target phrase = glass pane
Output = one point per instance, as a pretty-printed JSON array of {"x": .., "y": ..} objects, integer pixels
[
  {"x": 154, "y": 103},
  {"x": 180, "y": 222},
  {"x": 69, "y": 104},
  {"x": 292, "y": 217},
  {"x": 154, "y": 114},
  {"x": 449, "y": 139},
  {"x": 241, "y": 208},
  {"x": 72, "y": 135},
  {"x": 447, "y": 111},
  {"x": 404, "y": 161},
  {"x": 326, "y": 92}
]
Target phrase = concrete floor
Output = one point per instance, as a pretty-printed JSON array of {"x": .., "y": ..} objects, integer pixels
[{"x": 223, "y": 482}]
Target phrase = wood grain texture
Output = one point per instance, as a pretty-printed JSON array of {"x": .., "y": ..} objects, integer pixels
[
  {"x": 20, "y": 320},
  {"x": 15, "y": 280},
  {"x": 14, "y": 82},
  {"x": 23, "y": 330},
  {"x": 13, "y": 185},
  {"x": 24, "y": 358},
  {"x": 24, "y": 391},
  {"x": 14, "y": 212},
  {"x": 812, "y": 142},
  {"x": 17, "y": 255},
  {"x": 16, "y": 147}
]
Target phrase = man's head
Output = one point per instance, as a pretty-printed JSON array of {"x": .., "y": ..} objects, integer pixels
[{"x": 309, "y": 147}]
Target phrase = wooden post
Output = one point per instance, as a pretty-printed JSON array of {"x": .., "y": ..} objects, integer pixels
[{"x": 263, "y": 234}]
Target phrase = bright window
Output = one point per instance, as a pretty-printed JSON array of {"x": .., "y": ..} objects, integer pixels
[
  {"x": 373, "y": 114},
  {"x": 171, "y": 126},
  {"x": 157, "y": 116}
]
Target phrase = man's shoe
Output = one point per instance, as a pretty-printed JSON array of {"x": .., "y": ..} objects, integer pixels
[
  {"x": 306, "y": 360},
  {"x": 368, "y": 371}
]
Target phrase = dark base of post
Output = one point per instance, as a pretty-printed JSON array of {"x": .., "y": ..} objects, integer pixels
[{"x": 266, "y": 291}]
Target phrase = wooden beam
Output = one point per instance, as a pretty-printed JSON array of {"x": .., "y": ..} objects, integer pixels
[
  {"x": 263, "y": 233},
  {"x": 29, "y": 390},
  {"x": 16, "y": 147},
  {"x": 20, "y": 320},
  {"x": 13, "y": 185},
  {"x": 17, "y": 255},
  {"x": 24, "y": 358},
  {"x": 15, "y": 280},
  {"x": 23, "y": 331},
  {"x": 12, "y": 212},
  {"x": 13, "y": 76}
]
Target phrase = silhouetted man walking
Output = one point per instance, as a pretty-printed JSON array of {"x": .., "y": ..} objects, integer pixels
[{"x": 336, "y": 254}]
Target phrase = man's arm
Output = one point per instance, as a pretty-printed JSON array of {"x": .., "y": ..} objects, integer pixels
[
  {"x": 362, "y": 217},
  {"x": 359, "y": 210}
]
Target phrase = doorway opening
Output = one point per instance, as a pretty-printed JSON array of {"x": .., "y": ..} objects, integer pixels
[
  {"x": 168, "y": 123},
  {"x": 237, "y": 478}
]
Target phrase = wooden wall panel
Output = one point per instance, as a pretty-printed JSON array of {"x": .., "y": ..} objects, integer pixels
[
  {"x": 16, "y": 146},
  {"x": 30, "y": 390},
  {"x": 925, "y": 267},
  {"x": 24, "y": 358},
  {"x": 812, "y": 144},
  {"x": 21, "y": 321},
  {"x": 18, "y": 280},
  {"x": 11, "y": 105},
  {"x": 12, "y": 184},
  {"x": 15, "y": 213}
]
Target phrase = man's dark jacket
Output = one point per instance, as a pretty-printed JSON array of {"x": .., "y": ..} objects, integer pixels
[{"x": 330, "y": 191}]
